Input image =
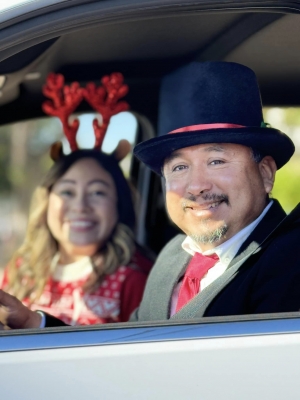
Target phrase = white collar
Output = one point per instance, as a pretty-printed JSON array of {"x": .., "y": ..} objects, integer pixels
[
  {"x": 227, "y": 250},
  {"x": 71, "y": 272}
]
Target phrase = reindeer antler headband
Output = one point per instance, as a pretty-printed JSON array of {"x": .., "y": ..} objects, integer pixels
[{"x": 104, "y": 99}]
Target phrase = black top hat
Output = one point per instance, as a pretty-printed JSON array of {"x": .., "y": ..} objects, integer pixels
[{"x": 212, "y": 102}]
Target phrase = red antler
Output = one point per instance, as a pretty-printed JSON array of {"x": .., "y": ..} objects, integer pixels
[
  {"x": 104, "y": 100},
  {"x": 65, "y": 99}
]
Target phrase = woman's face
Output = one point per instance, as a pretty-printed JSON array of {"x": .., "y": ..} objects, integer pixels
[{"x": 82, "y": 210}]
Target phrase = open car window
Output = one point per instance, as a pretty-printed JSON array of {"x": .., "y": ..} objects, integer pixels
[
  {"x": 237, "y": 357},
  {"x": 144, "y": 40}
]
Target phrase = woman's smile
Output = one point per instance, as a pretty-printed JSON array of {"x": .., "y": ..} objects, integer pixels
[{"x": 82, "y": 225}]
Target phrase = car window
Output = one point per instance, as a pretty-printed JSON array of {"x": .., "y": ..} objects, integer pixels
[{"x": 24, "y": 150}]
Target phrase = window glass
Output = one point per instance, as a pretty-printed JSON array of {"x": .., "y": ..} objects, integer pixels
[
  {"x": 24, "y": 159},
  {"x": 287, "y": 183}
]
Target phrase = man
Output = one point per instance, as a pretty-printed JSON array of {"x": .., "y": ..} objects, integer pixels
[{"x": 240, "y": 252}]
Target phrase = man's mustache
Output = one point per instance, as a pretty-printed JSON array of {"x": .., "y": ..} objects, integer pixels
[{"x": 213, "y": 197}]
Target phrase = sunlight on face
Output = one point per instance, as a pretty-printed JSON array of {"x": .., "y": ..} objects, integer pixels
[
  {"x": 82, "y": 210},
  {"x": 215, "y": 190}
]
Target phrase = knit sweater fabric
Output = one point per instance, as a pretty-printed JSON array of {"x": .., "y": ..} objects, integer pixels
[{"x": 113, "y": 301}]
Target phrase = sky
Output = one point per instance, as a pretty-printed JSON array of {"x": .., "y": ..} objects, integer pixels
[
  {"x": 9, "y": 4},
  {"x": 122, "y": 126}
]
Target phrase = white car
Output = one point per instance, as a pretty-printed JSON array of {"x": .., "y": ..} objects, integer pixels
[{"x": 236, "y": 358}]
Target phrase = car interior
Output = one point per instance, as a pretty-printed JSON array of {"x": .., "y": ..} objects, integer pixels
[{"x": 144, "y": 40}]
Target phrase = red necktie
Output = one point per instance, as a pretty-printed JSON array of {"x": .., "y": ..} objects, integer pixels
[{"x": 197, "y": 268}]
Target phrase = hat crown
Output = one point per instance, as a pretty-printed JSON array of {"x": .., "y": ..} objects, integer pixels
[
  {"x": 209, "y": 93},
  {"x": 212, "y": 102}
]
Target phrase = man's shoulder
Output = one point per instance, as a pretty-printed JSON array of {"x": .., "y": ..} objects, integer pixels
[
  {"x": 290, "y": 225},
  {"x": 293, "y": 218},
  {"x": 284, "y": 238}
]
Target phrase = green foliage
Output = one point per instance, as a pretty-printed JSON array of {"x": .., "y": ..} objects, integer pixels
[
  {"x": 287, "y": 184},
  {"x": 292, "y": 116}
]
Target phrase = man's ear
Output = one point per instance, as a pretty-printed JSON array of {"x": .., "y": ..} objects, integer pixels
[{"x": 268, "y": 168}]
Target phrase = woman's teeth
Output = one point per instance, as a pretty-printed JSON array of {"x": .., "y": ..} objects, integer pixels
[{"x": 81, "y": 224}]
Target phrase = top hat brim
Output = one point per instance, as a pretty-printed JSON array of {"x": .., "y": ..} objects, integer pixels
[{"x": 268, "y": 141}]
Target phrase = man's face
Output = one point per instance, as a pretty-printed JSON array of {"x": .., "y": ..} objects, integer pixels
[{"x": 215, "y": 190}]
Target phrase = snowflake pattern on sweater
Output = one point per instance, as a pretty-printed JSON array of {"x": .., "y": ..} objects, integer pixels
[
  {"x": 68, "y": 302},
  {"x": 64, "y": 298}
]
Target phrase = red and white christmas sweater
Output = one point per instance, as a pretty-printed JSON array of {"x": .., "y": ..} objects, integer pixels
[{"x": 114, "y": 300}]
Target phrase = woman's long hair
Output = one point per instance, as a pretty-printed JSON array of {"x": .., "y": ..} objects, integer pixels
[{"x": 30, "y": 266}]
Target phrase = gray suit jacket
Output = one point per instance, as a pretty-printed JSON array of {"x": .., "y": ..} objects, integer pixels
[{"x": 243, "y": 288}]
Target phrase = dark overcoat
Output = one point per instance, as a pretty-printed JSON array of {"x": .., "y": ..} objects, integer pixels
[{"x": 263, "y": 277}]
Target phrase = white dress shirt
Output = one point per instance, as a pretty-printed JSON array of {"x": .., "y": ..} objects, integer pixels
[{"x": 225, "y": 251}]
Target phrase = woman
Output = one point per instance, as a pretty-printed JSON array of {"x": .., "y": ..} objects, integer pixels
[{"x": 79, "y": 261}]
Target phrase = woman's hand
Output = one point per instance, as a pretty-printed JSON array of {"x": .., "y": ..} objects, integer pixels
[{"x": 14, "y": 315}]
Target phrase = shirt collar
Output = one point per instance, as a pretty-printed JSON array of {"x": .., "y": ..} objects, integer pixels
[
  {"x": 227, "y": 250},
  {"x": 75, "y": 271}
]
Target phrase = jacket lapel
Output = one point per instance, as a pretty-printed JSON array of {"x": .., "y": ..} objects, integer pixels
[
  {"x": 164, "y": 281},
  {"x": 271, "y": 221},
  {"x": 269, "y": 224}
]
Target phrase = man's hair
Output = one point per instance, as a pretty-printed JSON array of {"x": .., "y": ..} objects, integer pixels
[{"x": 256, "y": 155}]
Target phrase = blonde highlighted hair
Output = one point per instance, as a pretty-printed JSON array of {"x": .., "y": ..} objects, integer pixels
[{"x": 30, "y": 267}]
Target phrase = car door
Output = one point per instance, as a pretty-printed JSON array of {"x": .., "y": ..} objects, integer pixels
[{"x": 232, "y": 358}]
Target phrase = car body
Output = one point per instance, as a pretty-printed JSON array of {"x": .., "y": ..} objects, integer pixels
[{"x": 232, "y": 358}]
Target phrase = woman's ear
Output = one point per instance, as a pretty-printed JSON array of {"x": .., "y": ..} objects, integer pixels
[
  {"x": 268, "y": 168},
  {"x": 56, "y": 151},
  {"x": 122, "y": 149}
]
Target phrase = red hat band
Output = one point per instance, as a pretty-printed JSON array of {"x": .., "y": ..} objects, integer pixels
[{"x": 203, "y": 127}]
